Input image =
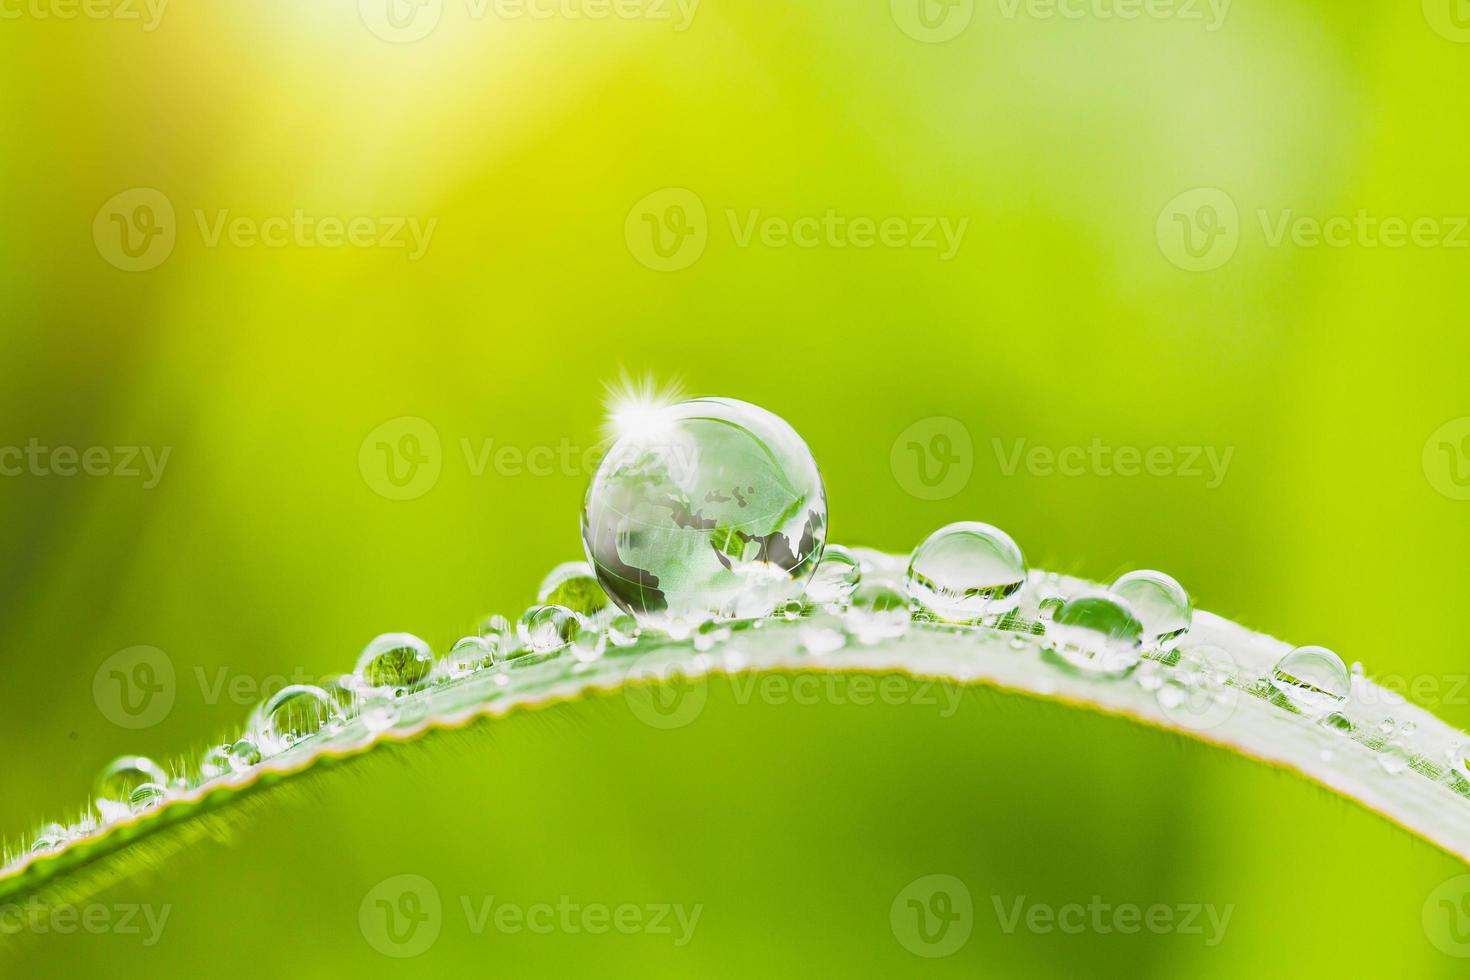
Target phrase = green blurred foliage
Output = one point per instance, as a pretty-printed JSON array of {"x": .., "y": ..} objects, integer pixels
[{"x": 268, "y": 549}]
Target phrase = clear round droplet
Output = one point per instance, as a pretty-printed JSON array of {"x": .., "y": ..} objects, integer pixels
[
  {"x": 119, "y": 778},
  {"x": 587, "y": 645},
  {"x": 1314, "y": 679},
  {"x": 394, "y": 660},
  {"x": 1338, "y": 722},
  {"x": 1096, "y": 632},
  {"x": 836, "y": 577},
  {"x": 574, "y": 585},
  {"x": 244, "y": 755},
  {"x": 146, "y": 797},
  {"x": 966, "y": 572},
  {"x": 623, "y": 631},
  {"x": 545, "y": 629},
  {"x": 470, "y": 654},
  {"x": 878, "y": 612},
  {"x": 215, "y": 762},
  {"x": 1046, "y": 609},
  {"x": 379, "y": 712},
  {"x": 48, "y": 838},
  {"x": 708, "y": 508},
  {"x": 1160, "y": 603},
  {"x": 293, "y": 714}
]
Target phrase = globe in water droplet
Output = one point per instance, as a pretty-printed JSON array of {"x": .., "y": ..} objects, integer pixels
[
  {"x": 244, "y": 755},
  {"x": 295, "y": 713},
  {"x": 1096, "y": 632},
  {"x": 711, "y": 507},
  {"x": 394, "y": 660},
  {"x": 836, "y": 577},
  {"x": 878, "y": 612},
  {"x": 1314, "y": 679},
  {"x": 574, "y": 585},
  {"x": 967, "y": 571},
  {"x": 544, "y": 629}
]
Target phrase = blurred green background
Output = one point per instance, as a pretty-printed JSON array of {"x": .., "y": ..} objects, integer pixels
[{"x": 1136, "y": 271}]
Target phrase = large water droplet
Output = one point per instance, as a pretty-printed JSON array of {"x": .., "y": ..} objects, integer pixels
[
  {"x": 544, "y": 629},
  {"x": 711, "y": 507},
  {"x": 836, "y": 577},
  {"x": 967, "y": 571},
  {"x": 119, "y": 778},
  {"x": 1313, "y": 678},
  {"x": 295, "y": 713},
  {"x": 1096, "y": 632},
  {"x": 1160, "y": 603},
  {"x": 395, "y": 660}
]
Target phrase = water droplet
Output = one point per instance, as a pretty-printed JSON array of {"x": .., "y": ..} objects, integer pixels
[
  {"x": 711, "y": 507},
  {"x": 836, "y": 577},
  {"x": 1394, "y": 757},
  {"x": 48, "y": 838},
  {"x": 587, "y": 645},
  {"x": 1313, "y": 678},
  {"x": 244, "y": 756},
  {"x": 295, "y": 713},
  {"x": 496, "y": 625},
  {"x": 379, "y": 712},
  {"x": 1046, "y": 609},
  {"x": 1171, "y": 694},
  {"x": 791, "y": 610},
  {"x": 1387, "y": 725},
  {"x": 574, "y": 585},
  {"x": 967, "y": 571},
  {"x": 878, "y": 612},
  {"x": 118, "y": 780},
  {"x": 822, "y": 633},
  {"x": 146, "y": 797},
  {"x": 545, "y": 629},
  {"x": 1161, "y": 605},
  {"x": 1338, "y": 722},
  {"x": 623, "y": 631},
  {"x": 394, "y": 660},
  {"x": 215, "y": 762},
  {"x": 470, "y": 654},
  {"x": 1096, "y": 632}
]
